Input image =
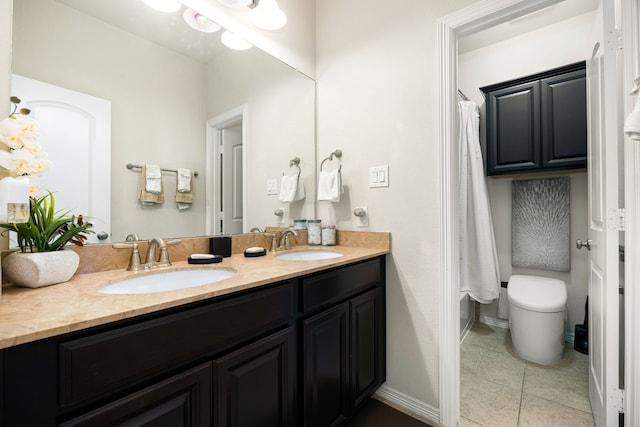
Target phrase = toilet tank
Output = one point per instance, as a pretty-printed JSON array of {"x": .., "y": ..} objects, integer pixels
[{"x": 541, "y": 294}]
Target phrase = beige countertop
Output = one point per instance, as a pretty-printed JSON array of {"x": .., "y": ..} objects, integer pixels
[{"x": 30, "y": 314}]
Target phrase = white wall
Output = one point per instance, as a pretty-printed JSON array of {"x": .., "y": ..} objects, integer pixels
[
  {"x": 517, "y": 57},
  {"x": 377, "y": 101},
  {"x": 157, "y": 99}
]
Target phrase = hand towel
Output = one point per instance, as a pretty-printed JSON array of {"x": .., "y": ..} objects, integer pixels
[
  {"x": 184, "y": 180},
  {"x": 184, "y": 199},
  {"x": 632, "y": 123},
  {"x": 330, "y": 186},
  {"x": 291, "y": 189},
  {"x": 147, "y": 198},
  {"x": 153, "y": 178}
]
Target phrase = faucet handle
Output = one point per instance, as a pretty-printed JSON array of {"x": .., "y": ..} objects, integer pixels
[
  {"x": 164, "y": 252},
  {"x": 134, "y": 262}
]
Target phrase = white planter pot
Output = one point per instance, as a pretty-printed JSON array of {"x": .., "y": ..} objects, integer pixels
[{"x": 34, "y": 270}]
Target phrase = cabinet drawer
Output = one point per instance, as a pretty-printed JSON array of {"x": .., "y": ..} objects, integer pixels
[
  {"x": 327, "y": 288},
  {"x": 108, "y": 361}
]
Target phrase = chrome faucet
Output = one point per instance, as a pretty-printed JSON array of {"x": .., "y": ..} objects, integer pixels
[
  {"x": 284, "y": 239},
  {"x": 256, "y": 230}
]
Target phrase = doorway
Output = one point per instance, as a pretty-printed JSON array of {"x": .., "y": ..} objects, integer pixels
[
  {"x": 226, "y": 172},
  {"x": 465, "y": 22}
]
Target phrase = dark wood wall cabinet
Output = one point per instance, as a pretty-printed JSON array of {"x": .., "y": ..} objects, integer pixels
[
  {"x": 304, "y": 352},
  {"x": 537, "y": 123}
]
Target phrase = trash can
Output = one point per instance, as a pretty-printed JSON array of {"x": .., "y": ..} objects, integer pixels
[{"x": 581, "y": 340}]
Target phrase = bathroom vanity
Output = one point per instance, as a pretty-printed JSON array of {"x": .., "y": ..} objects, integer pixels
[{"x": 302, "y": 346}]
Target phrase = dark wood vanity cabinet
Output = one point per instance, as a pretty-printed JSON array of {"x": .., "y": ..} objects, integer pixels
[
  {"x": 343, "y": 344},
  {"x": 239, "y": 360},
  {"x": 537, "y": 123}
]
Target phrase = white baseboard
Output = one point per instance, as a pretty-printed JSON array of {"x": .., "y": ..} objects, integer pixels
[
  {"x": 469, "y": 324},
  {"x": 408, "y": 404}
]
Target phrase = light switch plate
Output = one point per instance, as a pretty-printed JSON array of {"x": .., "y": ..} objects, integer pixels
[
  {"x": 379, "y": 176},
  {"x": 272, "y": 186}
]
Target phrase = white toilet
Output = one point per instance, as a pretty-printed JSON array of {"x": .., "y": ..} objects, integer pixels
[{"x": 536, "y": 317}]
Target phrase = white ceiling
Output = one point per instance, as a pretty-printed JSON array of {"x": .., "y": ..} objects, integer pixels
[
  {"x": 536, "y": 20},
  {"x": 166, "y": 29}
]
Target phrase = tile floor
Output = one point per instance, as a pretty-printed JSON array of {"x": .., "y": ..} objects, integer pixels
[{"x": 498, "y": 388}]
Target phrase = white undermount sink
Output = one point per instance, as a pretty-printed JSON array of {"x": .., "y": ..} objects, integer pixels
[
  {"x": 308, "y": 255},
  {"x": 162, "y": 281}
]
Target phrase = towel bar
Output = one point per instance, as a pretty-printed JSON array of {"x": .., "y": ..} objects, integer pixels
[{"x": 131, "y": 166}]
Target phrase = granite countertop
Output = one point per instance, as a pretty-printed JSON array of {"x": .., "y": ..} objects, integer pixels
[{"x": 31, "y": 314}]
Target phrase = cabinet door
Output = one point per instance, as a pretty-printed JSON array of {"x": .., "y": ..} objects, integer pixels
[
  {"x": 367, "y": 345},
  {"x": 182, "y": 400},
  {"x": 326, "y": 367},
  {"x": 256, "y": 384},
  {"x": 513, "y": 128},
  {"x": 564, "y": 121}
]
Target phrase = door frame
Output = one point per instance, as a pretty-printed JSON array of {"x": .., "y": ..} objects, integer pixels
[
  {"x": 631, "y": 69},
  {"x": 472, "y": 19},
  {"x": 214, "y": 127}
]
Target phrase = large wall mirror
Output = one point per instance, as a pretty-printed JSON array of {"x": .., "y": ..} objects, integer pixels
[{"x": 174, "y": 94}]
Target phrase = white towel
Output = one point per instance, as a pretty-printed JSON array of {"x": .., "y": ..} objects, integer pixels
[
  {"x": 153, "y": 179},
  {"x": 330, "y": 186},
  {"x": 291, "y": 189},
  {"x": 184, "y": 180},
  {"x": 632, "y": 123}
]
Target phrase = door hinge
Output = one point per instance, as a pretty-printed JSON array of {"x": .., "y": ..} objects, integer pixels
[
  {"x": 616, "y": 399},
  {"x": 220, "y": 215},
  {"x": 616, "y": 219},
  {"x": 614, "y": 39}
]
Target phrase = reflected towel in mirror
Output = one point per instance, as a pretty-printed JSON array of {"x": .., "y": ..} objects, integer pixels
[
  {"x": 330, "y": 186},
  {"x": 184, "y": 199},
  {"x": 184, "y": 180},
  {"x": 291, "y": 189},
  {"x": 147, "y": 198},
  {"x": 153, "y": 175}
]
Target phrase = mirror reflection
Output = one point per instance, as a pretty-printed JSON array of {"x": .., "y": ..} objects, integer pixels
[{"x": 177, "y": 97}]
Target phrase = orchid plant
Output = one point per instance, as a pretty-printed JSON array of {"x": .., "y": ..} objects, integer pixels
[{"x": 23, "y": 155}]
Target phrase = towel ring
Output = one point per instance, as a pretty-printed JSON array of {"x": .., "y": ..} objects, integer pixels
[
  {"x": 337, "y": 154},
  {"x": 295, "y": 162}
]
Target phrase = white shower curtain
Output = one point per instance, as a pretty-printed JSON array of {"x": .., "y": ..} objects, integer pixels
[{"x": 479, "y": 269}]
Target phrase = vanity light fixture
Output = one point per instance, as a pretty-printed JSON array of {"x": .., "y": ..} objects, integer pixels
[
  {"x": 268, "y": 15},
  {"x": 168, "y": 6},
  {"x": 200, "y": 22},
  {"x": 232, "y": 41},
  {"x": 236, "y": 4}
]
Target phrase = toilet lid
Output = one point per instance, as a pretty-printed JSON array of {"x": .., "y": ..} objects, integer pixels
[{"x": 534, "y": 293}]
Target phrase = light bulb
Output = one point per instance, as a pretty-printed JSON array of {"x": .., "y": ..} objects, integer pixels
[
  {"x": 268, "y": 15},
  {"x": 235, "y": 42},
  {"x": 200, "y": 22},
  {"x": 168, "y": 6},
  {"x": 235, "y": 4}
]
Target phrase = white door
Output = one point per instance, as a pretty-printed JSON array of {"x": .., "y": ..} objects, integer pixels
[
  {"x": 75, "y": 132},
  {"x": 604, "y": 139},
  {"x": 231, "y": 179}
]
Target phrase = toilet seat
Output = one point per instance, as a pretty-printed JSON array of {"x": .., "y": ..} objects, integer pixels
[{"x": 541, "y": 294}]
